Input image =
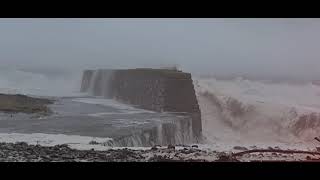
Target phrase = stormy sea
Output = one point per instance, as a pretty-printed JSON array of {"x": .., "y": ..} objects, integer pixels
[{"x": 237, "y": 115}]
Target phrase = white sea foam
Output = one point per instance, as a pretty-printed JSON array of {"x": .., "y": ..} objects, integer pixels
[
  {"x": 79, "y": 142},
  {"x": 123, "y": 108},
  {"x": 243, "y": 112}
]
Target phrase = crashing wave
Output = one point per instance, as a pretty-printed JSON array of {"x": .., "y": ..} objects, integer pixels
[{"x": 251, "y": 110}]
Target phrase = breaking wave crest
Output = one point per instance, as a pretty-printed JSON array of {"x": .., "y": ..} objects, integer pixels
[{"x": 251, "y": 111}]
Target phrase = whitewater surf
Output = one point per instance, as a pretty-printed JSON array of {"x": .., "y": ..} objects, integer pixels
[
  {"x": 241, "y": 112},
  {"x": 235, "y": 112}
]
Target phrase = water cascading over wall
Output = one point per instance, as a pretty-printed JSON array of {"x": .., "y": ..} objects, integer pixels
[{"x": 159, "y": 90}]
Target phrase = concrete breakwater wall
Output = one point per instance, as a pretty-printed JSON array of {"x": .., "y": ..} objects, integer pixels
[{"x": 158, "y": 90}]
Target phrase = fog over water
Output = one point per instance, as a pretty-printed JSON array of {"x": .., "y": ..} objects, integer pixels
[{"x": 255, "y": 47}]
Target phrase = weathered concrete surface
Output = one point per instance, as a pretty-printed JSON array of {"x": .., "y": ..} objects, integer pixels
[
  {"x": 159, "y": 90},
  {"x": 86, "y": 77}
]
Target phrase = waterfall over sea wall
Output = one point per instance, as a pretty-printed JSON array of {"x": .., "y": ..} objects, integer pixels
[
  {"x": 159, "y": 90},
  {"x": 176, "y": 131}
]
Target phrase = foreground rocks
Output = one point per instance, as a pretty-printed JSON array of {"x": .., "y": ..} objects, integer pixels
[
  {"x": 10, "y": 152},
  {"x": 22, "y": 152},
  {"x": 24, "y": 104}
]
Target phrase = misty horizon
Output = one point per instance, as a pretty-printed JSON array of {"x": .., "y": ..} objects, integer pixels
[{"x": 266, "y": 48}]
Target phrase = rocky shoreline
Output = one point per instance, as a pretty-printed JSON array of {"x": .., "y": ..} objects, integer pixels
[{"x": 22, "y": 152}]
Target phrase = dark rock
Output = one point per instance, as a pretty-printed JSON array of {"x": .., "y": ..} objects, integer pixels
[
  {"x": 187, "y": 151},
  {"x": 31, "y": 156},
  {"x": 66, "y": 156},
  {"x": 158, "y": 158},
  {"x": 93, "y": 142},
  {"x": 223, "y": 157},
  {"x": 22, "y": 144},
  {"x": 171, "y": 146},
  {"x": 195, "y": 146},
  {"x": 226, "y": 159},
  {"x": 9, "y": 147},
  {"x": 154, "y": 148},
  {"x": 45, "y": 156},
  {"x": 54, "y": 156},
  {"x": 102, "y": 156},
  {"x": 253, "y": 147},
  {"x": 197, "y": 154},
  {"x": 196, "y": 160},
  {"x": 240, "y": 148}
]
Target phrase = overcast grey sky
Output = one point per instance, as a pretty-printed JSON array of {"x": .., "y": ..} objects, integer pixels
[{"x": 250, "y": 46}]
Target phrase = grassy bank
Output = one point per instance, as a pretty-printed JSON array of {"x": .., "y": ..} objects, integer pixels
[{"x": 24, "y": 104}]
